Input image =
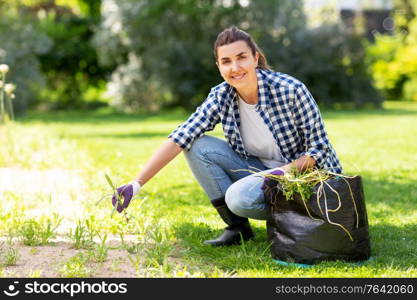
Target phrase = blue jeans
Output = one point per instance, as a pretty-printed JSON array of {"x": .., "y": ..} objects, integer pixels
[{"x": 223, "y": 173}]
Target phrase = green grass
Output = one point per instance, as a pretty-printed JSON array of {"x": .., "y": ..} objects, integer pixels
[{"x": 176, "y": 216}]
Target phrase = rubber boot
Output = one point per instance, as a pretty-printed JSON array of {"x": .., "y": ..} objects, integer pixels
[{"x": 238, "y": 229}]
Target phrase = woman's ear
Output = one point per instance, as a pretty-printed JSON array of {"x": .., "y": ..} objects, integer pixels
[{"x": 256, "y": 58}]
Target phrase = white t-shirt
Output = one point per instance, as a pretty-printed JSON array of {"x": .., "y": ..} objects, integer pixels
[{"x": 257, "y": 138}]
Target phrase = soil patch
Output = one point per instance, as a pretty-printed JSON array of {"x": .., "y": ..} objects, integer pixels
[{"x": 45, "y": 261}]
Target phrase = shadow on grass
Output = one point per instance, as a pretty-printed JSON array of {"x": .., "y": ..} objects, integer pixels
[
  {"x": 385, "y": 198},
  {"x": 106, "y": 116},
  {"x": 362, "y": 113},
  {"x": 100, "y": 117},
  {"x": 253, "y": 254},
  {"x": 394, "y": 246},
  {"x": 139, "y": 135}
]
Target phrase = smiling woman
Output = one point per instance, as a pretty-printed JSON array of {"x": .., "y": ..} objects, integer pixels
[
  {"x": 237, "y": 57},
  {"x": 270, "y": 121},
  {"x": 237, "y": 65}
]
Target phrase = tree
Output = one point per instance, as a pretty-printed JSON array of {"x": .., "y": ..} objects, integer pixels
[
  {"x": 71, "y": 65},
  {"x": 393, "y": 59},
  {"x": 20, "y": 45}
]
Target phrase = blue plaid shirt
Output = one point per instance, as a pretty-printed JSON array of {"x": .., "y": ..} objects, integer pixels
[{"x": 285, "y": 105}]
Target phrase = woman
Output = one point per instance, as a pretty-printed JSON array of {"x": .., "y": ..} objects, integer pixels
[{"x": 269, "y": 119}]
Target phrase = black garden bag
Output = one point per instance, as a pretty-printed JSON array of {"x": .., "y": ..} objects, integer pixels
[{"x": 319, "y": 229}]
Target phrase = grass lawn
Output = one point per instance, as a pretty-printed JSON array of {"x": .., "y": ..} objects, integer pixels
[{"x": 52, "y": 222}]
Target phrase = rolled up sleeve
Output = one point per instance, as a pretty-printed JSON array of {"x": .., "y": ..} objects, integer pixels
[
  {"x": 204, "y": 119},
  {"x": 310, "y": 126}
]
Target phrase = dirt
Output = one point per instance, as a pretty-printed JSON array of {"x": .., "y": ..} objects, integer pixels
[{"x": 45, "y": 261}]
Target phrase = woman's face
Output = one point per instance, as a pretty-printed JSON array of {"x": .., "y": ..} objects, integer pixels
[{"x": 237, "y": 64}]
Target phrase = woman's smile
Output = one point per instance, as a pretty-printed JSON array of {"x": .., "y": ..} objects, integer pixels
[{"x": 239, "y": 77}]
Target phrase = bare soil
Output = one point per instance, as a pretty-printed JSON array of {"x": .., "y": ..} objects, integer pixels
[{"x": 47, "y": 260}]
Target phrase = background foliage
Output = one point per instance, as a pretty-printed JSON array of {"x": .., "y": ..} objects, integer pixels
[
  {"x": 20, "y": 47},
  {"x": 170, "y": 44},
  {"x": 393, "y": 59},
  {"x": 47, "y": 45},
  {"x": 142, "y": 55},
  {"x": 71, "y": 66}
]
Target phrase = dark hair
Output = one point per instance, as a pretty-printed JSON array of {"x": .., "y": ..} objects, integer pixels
[{"x": 234, "y": 34}]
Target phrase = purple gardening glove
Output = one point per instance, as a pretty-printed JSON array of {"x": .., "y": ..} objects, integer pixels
[
  {"x": 276, "y": 172},
  {"x": 126, "y": 193}
]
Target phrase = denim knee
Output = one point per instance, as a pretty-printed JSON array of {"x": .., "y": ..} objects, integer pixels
[
  {"x": 245, "y": 203},
  {"x": 233, "y": 199},
  {"x": 201, "y": 146}
]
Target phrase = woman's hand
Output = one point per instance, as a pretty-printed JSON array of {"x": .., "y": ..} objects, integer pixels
[
  {"x": 126, "y": 193},
  {"x": 301, "y": 164},
  {"x": 158, "y": 160}
]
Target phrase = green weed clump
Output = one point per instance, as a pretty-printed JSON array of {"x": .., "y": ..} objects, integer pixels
[
  {"x": 39, "y": 232},
  {"x": 131, "y": 248},
  {"x": 76, "y": 267},
  {"x": 8, "y": 255},
  {"x": 160, "y": 246},
  {"x": 100, "y": 251},
  {"x": 35, "y": 274},
  {"x": 150, "y": 253},
  {"x": 84, "y": 233}
]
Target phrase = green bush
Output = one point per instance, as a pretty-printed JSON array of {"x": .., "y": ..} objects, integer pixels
[
  {"x": 393, "y": 60},
  {"x": 20, "y": 46},
  {"x": 56, "y": 65},
  {"x": 394, "y": 66},
  {"x": 330, "y": 61},
  {"x": 410, "y": 89},
  {"x": 74, "y": 77}
]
